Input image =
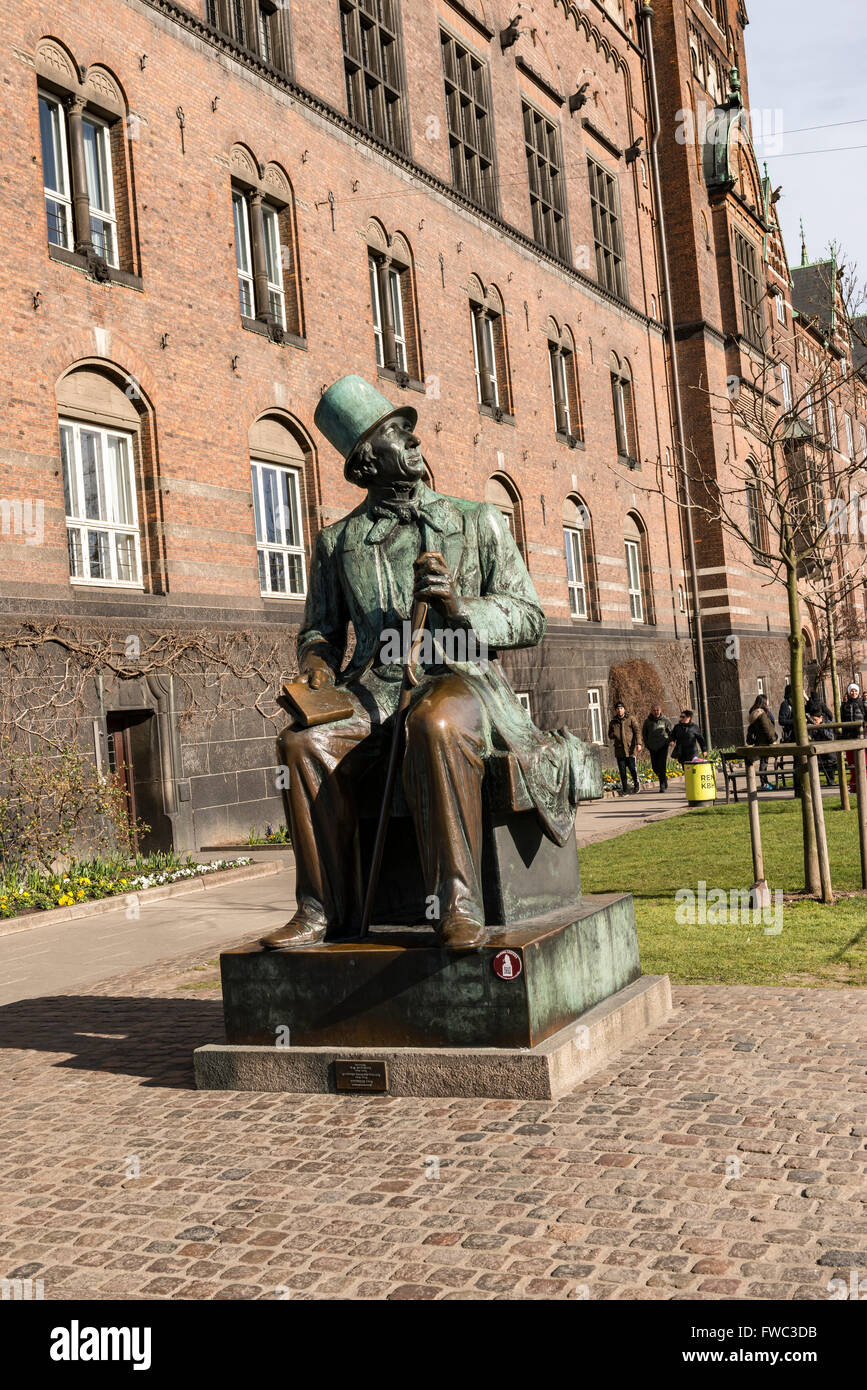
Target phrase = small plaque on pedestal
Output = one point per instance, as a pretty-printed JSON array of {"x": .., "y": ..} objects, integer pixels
[{"x": 350, "y": 1075}]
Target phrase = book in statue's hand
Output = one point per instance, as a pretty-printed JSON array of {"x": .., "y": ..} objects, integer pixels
[{"x": 321, "y": 706}]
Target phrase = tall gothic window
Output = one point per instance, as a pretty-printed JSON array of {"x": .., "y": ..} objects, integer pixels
[
  {"x": 372, "y": 67},
  {"x": 468, "y": 106}
]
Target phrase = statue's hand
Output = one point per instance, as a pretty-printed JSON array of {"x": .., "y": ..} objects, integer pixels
[
  {"x": 317, "y": 672},
  {"x": 434, "y": 584}
]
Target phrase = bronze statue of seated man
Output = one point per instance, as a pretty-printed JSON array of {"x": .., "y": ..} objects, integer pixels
[{"x": 403, "y": 543}]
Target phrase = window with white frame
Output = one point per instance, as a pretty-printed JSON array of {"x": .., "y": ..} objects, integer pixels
[
  {"x": 523, "y": 699},
  {"x": 786, "y": 380},
  {"x": 781, "y": 309},
  {"x": 560, "y": 388},
  {"x": 243, "y": 255},
  {"x": 594, "y": 709},
  {"x": 832, "y": 425},
  {"x": 850, "y": 435},
  {"x": 389, "y": 324},
  {"x": 862, "y": 432},
  {"x": 575, "y": 571},
  {"x": 633, "y": 577},
  {"x": 273, "y": 264},
  {"x": 55, "y": 172},
  {"x": 279, "y": 533},
  {"x": 808, "y": 409},
  {"x": 484, "y": 357},
  {"x": 98, "y": 179},
  {"x": 101, "y": 509},
  {"x": 100, "y": 188}
]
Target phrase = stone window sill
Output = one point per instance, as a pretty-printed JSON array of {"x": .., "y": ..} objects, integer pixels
[
  {"x": 401, "y": 379},
  {"x": 496, "y": 412},
  {"x": 113, "y": 275},
  {"x": 264, "y": 331}
]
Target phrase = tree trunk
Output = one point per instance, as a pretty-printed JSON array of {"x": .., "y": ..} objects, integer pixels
[
  {"x": 835, "y": 687},
  {"x": 812, "y": 882}
]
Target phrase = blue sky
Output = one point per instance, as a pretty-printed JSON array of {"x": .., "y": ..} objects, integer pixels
[{"x": 809, "y": 62}]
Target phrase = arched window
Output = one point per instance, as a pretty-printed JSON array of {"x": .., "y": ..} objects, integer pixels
[
  {"x": 756, "y": 519},
  {"x": 625, "y": 428},
  {"x": 106, "y": 449},
  {"x": 397, "y": 341},
  {"x": 83, "y": 131},
  {"x": 638, "y": 570},
  {"x": 279, "y": 465},
  {"x": 490, "y": 350},
  {"x": 501, "y": 491},
  {"x": 578, "y": 542},
  {"x": 266, "y": 248},
  {"x": 565, "y": 388}
]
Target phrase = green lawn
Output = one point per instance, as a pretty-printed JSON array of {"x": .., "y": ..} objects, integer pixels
[{"x": 818, "y": 945}]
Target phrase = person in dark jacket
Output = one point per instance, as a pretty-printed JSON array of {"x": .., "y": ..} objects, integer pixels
[
  {"x": 816, "y": 705},
  {"x": 784, "y": 716},
  {"x": 656, "y": 733},
  {"x": 761, "y": 733},
  {"x": 819, "y": 731},
  {"x": 625, "y": 734},
  {"x": 852, "y": 707},
  {"x": 687, "y": 739}
]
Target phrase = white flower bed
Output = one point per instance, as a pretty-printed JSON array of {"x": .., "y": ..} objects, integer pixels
[{"x": 192, "y": 871}]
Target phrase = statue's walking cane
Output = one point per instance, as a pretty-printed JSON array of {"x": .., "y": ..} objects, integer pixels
[{"x": 419, "y": 618}]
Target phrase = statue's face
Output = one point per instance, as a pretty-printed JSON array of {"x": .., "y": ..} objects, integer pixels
[{"x": 394, "y": 452}]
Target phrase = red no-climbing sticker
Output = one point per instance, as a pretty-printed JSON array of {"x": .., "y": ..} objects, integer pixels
[{"x": 507, "y": 964}]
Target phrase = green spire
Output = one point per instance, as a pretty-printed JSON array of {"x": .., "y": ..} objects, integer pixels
[{"x": 804, "y": 260}]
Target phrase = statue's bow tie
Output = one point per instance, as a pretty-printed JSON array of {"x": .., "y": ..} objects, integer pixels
[
  {"x": 396, "y": 511},
  {"x": 404, "y": 512}
]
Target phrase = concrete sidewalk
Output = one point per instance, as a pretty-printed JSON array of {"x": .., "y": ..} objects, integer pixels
[
  {"x": 602, "y": 820},
  {"x": 53, "y": 957}
]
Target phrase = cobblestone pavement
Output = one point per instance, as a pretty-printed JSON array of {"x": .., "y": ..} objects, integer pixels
[{"x": 722, "y": 1157}]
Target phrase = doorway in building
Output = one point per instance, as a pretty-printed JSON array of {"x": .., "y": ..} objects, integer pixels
[{"x": 134, "y": 761}]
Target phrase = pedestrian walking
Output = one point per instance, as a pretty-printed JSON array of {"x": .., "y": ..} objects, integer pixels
[
  {"x": 687, "y": 739},
  {"x": 852, "y": 709},
  {"x": 785, "y": 716},
  {"x": 761, "y": 733},
  {"x": 819, "y": 731},
  {"x": 625, "y": 734},
  {"x": 816, "y": 705},
  {"x": 656, "y": 735}
]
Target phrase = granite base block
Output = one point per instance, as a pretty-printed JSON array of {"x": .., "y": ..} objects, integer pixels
[{"x": 549, "y": 1069}]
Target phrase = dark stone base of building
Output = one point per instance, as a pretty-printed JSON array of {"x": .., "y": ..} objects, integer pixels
[{"x": 399, "y": 989}]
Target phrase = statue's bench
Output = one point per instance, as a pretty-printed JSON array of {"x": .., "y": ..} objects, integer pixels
[{"x": 524, "y": 874}]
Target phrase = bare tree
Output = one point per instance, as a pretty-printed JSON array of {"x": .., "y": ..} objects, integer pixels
[{"x": 791, "y": 484}]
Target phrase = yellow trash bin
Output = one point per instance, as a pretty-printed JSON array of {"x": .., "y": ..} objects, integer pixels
[{"x": 699, "y": 783}]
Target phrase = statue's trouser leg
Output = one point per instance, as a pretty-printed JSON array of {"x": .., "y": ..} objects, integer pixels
[
  {"x": 322, "y": 809},
  {"x": 443, "y": 768}
]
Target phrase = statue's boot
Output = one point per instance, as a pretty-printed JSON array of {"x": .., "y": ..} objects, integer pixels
[
  {"x": 306, "y": 928},
  {"x": 458, "y": 932}
]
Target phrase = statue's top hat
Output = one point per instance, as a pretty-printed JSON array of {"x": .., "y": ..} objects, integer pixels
[{"x": 351, "y": 409}]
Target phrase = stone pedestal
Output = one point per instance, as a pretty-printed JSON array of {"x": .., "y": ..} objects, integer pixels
[
  {"x": 544, "y": 1072},
  {"x": 503, "y": 1020}
]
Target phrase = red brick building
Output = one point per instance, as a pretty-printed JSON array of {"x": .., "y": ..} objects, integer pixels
[
  {"x": 215, "y": 210},
  {"x": 746, "y": 325}
]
